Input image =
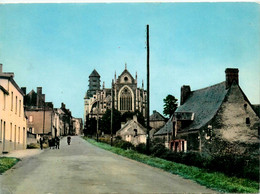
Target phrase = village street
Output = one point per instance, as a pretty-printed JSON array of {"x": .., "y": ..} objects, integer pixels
[{"x": 84, "y": 168}]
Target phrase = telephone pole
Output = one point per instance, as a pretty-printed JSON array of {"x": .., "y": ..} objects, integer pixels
[
  {"x": 112, "y": 109},
  {"x": 148, "y": 93}
]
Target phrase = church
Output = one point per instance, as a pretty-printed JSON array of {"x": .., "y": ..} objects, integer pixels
[{"x": 127, "y": 97}]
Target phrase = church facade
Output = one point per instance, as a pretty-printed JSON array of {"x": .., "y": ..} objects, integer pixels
[{"x": 127, "y": 97}]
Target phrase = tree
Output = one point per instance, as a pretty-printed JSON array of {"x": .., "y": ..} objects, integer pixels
[
  {"x": 129, "y": 115},
  {"x": 105, "y": 121},
  {"x": 170, "y": 105}
]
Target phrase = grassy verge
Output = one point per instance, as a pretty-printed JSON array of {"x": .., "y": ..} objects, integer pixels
[
  {"x": 212, "y": 180},
  {"x": 7, "y": 163}
]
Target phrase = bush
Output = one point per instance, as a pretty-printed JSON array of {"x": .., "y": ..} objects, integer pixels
[
  {"x": 33, "y": 146},
  {"x": 141, "y": 148},
  {"x": 123, "y": 144}
]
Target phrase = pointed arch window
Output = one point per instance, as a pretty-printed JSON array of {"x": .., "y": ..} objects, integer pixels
[{"x": 126, "y": 100}]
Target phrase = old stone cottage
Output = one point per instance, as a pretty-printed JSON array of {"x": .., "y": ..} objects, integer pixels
[{"x": 216, "y": 119}]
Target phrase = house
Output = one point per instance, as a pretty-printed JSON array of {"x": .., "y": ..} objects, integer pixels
[
  {"x": 40, "y": 114},
  {"x": 157, "y": 121},
  {"x": 12, "y": 117},
  {"x": 216, "y": 119},
  {"x": 165, "y": 133},
  {"x": 133, "y": 132}
]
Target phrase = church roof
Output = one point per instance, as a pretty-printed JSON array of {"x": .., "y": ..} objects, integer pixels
[
  {"x": 204, "y": 103},
  {"x": 156, "y": 116},
  {"x": 94, "y": 74}
]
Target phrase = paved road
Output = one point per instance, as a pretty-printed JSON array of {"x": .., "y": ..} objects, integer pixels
[{"x": 84, "y": 168}]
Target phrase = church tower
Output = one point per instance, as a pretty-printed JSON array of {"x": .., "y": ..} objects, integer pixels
[{"x": 94, "y": 83}]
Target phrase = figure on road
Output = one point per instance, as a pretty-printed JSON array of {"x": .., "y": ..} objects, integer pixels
[
  {"x": 41, "y": 142},
  {"x": 57, "y": 141},
  {"x": 68, "y": 140}
]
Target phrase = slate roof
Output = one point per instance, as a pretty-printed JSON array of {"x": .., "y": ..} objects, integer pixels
[
  {"x": 167, "y": 128},
  {"x": 204, "y": 103},
  {"x": 156, "y": 116},
  {"x": 94, "y": 74}
]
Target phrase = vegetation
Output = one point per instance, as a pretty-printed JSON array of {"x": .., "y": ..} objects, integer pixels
[
  {"x": 7, "y": 163},
  {"x": 170, "y": 105},
  {"x": 214, "y": 180}
]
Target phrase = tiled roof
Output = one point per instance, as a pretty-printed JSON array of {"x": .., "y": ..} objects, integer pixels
[
  {"x": 156, "y": 116},
  {"x": 167, "y": 128},
  {"x": 204, "y": 103}
]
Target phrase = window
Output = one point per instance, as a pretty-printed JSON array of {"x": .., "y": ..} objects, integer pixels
[
  {"x": 16, "y": 105},
  {"x": 125, "y": 100},
  {"x": 248, "y": 121},
  {"x": 11, "y": 131},
  {"x": 20, "y": 103},
  {"x": 12, "y": 101},
  {"x": 30, "y": 119}
]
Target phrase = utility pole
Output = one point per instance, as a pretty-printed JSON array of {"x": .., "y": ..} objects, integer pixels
[
  {"x": 112, "y": 110},
  {"x": 97, "y": 115},
  {"x": 148, "y": 93}
]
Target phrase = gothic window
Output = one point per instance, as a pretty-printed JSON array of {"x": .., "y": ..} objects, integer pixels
[{"x": 126, "y": 99}]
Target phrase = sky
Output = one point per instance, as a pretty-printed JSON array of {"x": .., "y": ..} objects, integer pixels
[{"x": 57, "y": 46}]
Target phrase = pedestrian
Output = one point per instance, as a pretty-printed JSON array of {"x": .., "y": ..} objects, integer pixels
[
  {"x": 68, "y": 140},
  {"x": 41, "y": 142},
  {"x": 57, "y": 139}
]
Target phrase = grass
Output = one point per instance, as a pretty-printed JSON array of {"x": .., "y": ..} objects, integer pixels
[
  {"x": 7, "y": 163},
  {"x": 213, "y": 180}
]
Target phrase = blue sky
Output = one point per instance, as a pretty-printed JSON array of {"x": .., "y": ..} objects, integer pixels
[{"x": 57, "y": 46}]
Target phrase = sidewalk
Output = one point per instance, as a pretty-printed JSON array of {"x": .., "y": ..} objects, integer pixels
[{"x": 22, "y": 153}]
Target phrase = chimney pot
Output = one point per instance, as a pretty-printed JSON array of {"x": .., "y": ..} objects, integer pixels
[{"x": 231, "y": 76}]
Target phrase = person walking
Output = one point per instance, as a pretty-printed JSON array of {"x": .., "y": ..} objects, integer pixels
[
  {"x": 57, "y": 140},
  {"x": 68, "y": 140},
  {"x": 41, "y": 143}
]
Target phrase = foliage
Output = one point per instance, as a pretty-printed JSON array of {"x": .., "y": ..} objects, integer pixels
[
  {"x": 105, "y": 121},
  {"x": 91, "y": 127},
  {"x": 214, "y": 180},
  {"x": 170, "y": 105},
  {"x": 123, "y": 144},
  {"x": 7, "y": 163},
  {"x": 129, "y": 115}
]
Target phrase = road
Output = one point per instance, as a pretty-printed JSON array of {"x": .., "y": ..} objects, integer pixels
[{"x": 84, "y": 168}]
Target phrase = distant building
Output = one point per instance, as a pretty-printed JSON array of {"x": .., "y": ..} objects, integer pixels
[
  {"x": 216, "y": 119},
  {"x": 133, "y": 132},
  {"x": 127, "y": 96},
  {"x": 77, "y": 126},
  {"x": 157, "y": 121},
  {"x": 40, "y": 114},
  {"x": 12, "y": 117}
]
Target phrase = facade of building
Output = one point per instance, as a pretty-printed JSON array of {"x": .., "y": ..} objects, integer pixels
[
  {"x": 127, "y": 97},
  {"x": 77, "y": 126},
  {"x": 216, "y": 119},
  {"x": 40, "y": 114},
  {"x": 12, "y": 118},
  {"x": 133, "y": 132}
]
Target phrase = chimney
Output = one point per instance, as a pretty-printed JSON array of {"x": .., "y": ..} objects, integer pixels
[
  {"x": 63, "y": 106},
  {"x": 231, "y": 76},
  {"x": 39, "y": 90},
  {"x": 24, "y": 90},
  {"x": 135, "y": 118},
  {"x": 1, "y": 68},
  {"x": 185, "y": 92}
]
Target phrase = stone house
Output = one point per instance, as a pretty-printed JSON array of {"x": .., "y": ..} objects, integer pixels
[
  {"x": 157, "y": 121},
  {"x": 216, "y": 119},
  {"x": 12, "y": 117},
  {"x": 132, "y": 132}
]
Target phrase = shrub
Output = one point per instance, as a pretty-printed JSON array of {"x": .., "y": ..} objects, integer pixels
[
  {"x": 33, "y": 146},
  {"x": 123, "y": 144},
  {"x": 141, "y": 148}
]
